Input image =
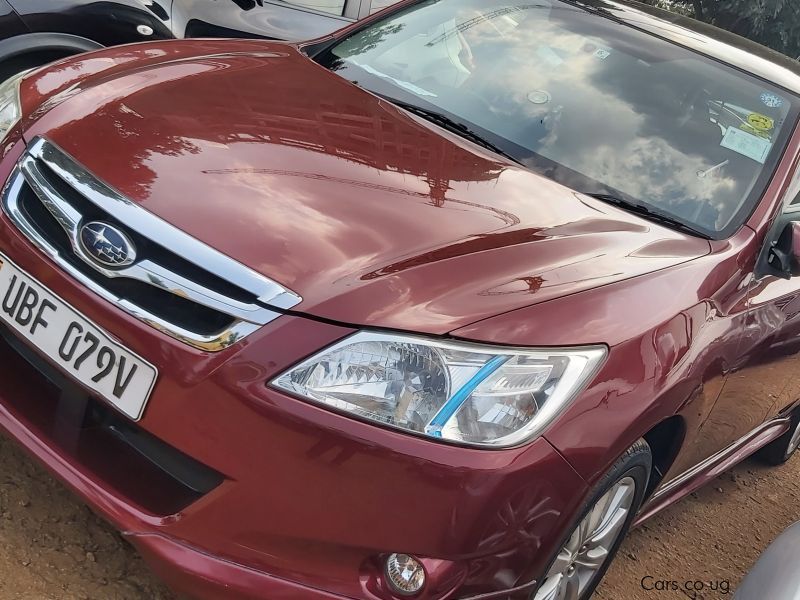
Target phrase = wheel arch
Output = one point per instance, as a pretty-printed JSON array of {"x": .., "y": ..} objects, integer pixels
[
  {"x": 39, "y": 43},
  {"x": 665, "y": 440}
]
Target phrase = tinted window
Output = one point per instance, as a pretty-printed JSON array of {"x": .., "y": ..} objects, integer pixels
[
  {"x": 333, "y": 7},
  {"x": 584, "y": 100}
]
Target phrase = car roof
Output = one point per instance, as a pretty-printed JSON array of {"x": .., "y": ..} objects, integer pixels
[{"x": 714, "y": 42}]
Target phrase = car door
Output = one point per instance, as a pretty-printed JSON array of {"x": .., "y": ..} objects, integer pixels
[
  {"x": 764, "y": 379},
  {"x": 770, "y": 353},
  {"x": 293, "y": 20}
]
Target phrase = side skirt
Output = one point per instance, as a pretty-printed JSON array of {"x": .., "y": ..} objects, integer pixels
[{"x": 716, "y": 464}]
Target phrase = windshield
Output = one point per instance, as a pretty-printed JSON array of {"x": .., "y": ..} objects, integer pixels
[{"x": 596, "y": 105}]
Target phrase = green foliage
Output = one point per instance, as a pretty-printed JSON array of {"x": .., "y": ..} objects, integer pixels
[
  {"x": 672, "y": 5},
  {"x": 773, "y": 23}
]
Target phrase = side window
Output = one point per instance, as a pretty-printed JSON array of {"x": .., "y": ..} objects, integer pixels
[
  {"x": 380, "y": 5},
  {"x": 332, "y": 7},
  {"x": 793, "y": 193}
]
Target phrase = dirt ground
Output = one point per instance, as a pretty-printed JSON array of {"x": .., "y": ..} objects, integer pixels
[
  {"x": 711, "y": 539},
  {"x": 52, "y": 546}
]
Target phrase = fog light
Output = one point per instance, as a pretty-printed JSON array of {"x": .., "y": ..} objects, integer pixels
[{"x": 404, "y": 573}]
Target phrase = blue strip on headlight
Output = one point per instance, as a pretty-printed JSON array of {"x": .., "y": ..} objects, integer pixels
[{"x": 450, "y": 407}]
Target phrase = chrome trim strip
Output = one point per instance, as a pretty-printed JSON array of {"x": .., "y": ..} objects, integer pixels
[
  {"x": 247, "y": 317},
  {"x": 209, "y": 343},
  {"x": 146, "y": 271},
  {"x": 717, "y": 457},
  {"x": 212, "y": 343}
]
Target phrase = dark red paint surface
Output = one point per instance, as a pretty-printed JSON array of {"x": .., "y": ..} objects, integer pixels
[
  {"x": 379, "y": 219},
  {"x": 368, "y": 213}
]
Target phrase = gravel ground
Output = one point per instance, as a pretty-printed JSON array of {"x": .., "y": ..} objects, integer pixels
[{"x": 52, "y": 546}]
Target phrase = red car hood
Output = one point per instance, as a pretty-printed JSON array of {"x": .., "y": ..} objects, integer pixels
[{"x": 373, "y": 216}]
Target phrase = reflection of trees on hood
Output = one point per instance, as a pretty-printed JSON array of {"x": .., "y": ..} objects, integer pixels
[{"x": 773, "y": 23}]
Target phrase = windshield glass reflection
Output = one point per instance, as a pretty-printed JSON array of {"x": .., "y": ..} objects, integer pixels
[{"x": 584, "y": 100}]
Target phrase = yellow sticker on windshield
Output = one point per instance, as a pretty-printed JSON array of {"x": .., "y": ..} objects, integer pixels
[
  {"x": 761, "y": 122},
  {"x": 767, "y": 135}
]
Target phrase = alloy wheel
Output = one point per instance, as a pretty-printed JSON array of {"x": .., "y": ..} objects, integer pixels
[
  {"x": 794, "y": 442},
  {"x": 590, "y": 545}
]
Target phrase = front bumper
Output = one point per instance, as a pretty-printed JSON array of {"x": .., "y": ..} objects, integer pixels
[{"x": 307, "y": 500}]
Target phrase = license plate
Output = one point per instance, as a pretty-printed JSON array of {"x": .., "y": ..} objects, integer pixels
[{"x": 73, "y": 342}]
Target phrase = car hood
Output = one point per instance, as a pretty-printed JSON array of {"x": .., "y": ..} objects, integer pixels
[{"x": 372, "y": 215}]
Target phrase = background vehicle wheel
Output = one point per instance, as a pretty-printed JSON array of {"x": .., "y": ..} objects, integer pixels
[
  {"x": 28, "y": 51},
  {"x": 18, "y": 64},
  {"x": 779, "y": 451},
  {"x": 587, "y": 551}
]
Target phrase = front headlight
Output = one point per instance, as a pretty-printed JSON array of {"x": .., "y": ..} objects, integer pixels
[
  {"x": 467, "y": 393},
  {"x": 10, "y": 109}
]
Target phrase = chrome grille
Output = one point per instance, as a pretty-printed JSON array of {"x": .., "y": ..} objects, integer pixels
[{"x": 177, "y": 284}]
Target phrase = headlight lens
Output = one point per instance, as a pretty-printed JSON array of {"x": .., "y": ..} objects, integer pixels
[
  {"x": 467, "y": 393},
  {"x": 10, "y": 109}
]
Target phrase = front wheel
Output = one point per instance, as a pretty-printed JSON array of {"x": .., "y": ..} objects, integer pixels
[{"x": 587, "y": 552}]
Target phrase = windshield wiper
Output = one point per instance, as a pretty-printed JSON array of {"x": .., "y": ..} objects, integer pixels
[
  {"x": 648, "y": 213},
  {"x": 452, "y": 125}
]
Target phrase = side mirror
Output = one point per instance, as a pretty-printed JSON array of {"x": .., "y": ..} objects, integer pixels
[{"x": 784, "y": 254}]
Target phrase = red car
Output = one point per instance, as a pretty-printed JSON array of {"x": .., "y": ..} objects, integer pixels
[{"x": 438, "y": 306}]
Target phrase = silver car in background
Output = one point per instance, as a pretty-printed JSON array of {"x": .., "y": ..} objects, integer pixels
[{"x": 776, "y": 575}]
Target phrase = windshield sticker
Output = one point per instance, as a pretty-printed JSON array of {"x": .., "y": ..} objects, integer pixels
[
  {"x": 760, "y": 125},
  {"x": 747, "y": 144},
  {"x": 760, "y": 122},
  {"x": 550, "y": 56},
  {"x": 602, "y": 53},
  {"x": 403, "y": 84},
  {"x": 732, "y": 116},
  {"x": 596, "y": 50},
  {"x": 771, "y": 100}
]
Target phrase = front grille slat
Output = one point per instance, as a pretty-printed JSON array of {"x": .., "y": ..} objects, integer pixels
[
  {"x": 177, "y": 285},
  {"x": 175, "y": 309}
]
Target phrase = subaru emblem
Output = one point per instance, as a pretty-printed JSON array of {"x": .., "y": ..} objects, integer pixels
[{"x": 107, "y": 245}]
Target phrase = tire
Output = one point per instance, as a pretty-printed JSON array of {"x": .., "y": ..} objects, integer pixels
[
  {"x": 30, "y": 50},
  {"x": 782, "y": 449},
  {"x": 633, "y": 466}
]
